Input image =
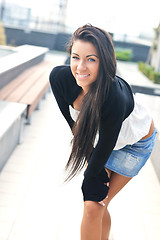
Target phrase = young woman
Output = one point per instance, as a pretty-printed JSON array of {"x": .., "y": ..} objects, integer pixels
[{"x": 113, "y": 134}]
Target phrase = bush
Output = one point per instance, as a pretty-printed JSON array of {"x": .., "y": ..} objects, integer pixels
[
  {"x": 149, "y": 72},
  {"x": 141, "y": 66},
  {"x": 123, "y": 55},
  {"x": 156, "y": 77},
  {"x": 2, "y": 35}
]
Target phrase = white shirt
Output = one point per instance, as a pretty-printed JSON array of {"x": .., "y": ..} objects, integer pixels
[{"x": 134, "y": 127}]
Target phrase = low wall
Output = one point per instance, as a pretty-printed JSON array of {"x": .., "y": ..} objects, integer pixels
[
  {"x": 155, "y": 156},
  {"x": 11, "y": 124},
  {"x": 24, "y": 57},
  {"x": 52, "y": 41}
]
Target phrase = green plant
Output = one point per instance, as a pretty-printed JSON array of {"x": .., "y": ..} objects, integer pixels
[
  {"x": 149, "y": 72},
  {"x": 151, "y": 76},
  {"x": 156, "y": 77},
  {"x": 123, "y": 54},
  {"x": 141, "y": 66},
  {"x": 2, "y": 35},
  {"x": 146, "y": 69},
  {"x": 155, "y": 46}
]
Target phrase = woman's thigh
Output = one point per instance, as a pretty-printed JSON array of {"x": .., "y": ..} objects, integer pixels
[{"x": 117, "y": 182}]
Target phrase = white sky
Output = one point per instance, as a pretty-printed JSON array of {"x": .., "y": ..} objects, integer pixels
[{"x": 118, "y": 16}]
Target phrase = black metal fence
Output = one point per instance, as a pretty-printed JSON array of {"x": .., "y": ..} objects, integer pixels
[{"x": 150, "y": 90}]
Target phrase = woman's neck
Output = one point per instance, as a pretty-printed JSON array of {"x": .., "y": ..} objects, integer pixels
[{"x": 77, "y": 104}]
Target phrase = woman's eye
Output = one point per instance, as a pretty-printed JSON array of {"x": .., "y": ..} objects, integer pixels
[
  {"x": 74, "y": 57},
  {"x": 91, "y": 59}
]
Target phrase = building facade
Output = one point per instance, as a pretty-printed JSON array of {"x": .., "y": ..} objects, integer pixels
[{"x": 154, "y": 56}]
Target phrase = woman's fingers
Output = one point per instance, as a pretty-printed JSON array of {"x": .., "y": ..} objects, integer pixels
[
  {"x": 107, "y": 184},
  {"x": 102, "y": 203}
]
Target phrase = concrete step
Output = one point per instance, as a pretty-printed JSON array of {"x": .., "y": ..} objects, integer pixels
[{"x": 11, "y": 123}]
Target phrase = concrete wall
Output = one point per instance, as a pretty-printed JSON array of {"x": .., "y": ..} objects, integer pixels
[
  {"x": 19, "y": 37},
  {"x": 23, "y": 57},
  {"x": 12, "y": 73},
  {"x": 59, "y": 41},
  {"x": 52, "y": 41},
  {"x": 11, "y": 122},
  {"x": 139, "y": 51},
  {"x": 9, "y": 141},
  {"x": 155, "y": 55},
  {"x": 155, "y": 156}
]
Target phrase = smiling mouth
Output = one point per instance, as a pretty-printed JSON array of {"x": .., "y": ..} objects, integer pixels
[{"x": 81, "y": 76}]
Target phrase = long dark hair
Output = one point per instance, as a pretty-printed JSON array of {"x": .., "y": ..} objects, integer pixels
[{"x": 87, "y": 124}]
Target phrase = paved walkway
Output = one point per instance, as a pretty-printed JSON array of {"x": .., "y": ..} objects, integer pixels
[{"x": 35, "y": 205}]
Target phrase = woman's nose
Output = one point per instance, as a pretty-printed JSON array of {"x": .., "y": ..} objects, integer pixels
[{"x": 81, "y": 66}]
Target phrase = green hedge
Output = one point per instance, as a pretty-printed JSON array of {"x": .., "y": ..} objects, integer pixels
[
  {"x": 123, "y": 55},
  {"x": 149, "y": 72},
  {"x": 2, "y": 35},
  {"x": 156, "y": 77}
]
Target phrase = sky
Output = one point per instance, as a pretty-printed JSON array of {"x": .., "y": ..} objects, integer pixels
[{"x": 117, "y": 16}]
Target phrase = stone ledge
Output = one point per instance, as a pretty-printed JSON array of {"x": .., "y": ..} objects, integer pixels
[
  {"x": 23, "y": 57},
  {"x": 11, "y": 124}
]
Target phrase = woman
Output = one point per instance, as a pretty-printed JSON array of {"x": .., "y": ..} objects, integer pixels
[{"x": 98, "y": 104}]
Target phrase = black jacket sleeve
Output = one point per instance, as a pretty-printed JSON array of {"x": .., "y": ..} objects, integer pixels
[
  {"x": 116, "y": 108},
  {"x": 56, "y": 77},
  {"x": 65, "y": 90},
  {"x": 93, "y": 186}
]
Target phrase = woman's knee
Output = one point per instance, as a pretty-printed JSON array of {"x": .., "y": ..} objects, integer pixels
[{"x": 93, "y": 209}]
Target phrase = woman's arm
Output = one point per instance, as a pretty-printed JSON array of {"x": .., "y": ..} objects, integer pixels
[
  {"x": 57, "y": 88},
  {"x": 108, "y": 135},
  {"x": 116, "y": 108},
  {"x": 94, "y": 186}
]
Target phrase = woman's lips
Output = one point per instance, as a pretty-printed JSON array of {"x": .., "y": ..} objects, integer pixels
[{"x": 82, "y": 76}]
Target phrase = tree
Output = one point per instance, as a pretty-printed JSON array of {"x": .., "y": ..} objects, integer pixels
[{"x": 2, "y": 35}]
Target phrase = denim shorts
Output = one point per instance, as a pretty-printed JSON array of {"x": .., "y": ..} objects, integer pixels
[{"x": 129, "y": 160}]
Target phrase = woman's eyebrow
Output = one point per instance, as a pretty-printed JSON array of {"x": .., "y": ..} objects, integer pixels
[
  {"x": 90, "y": 55},
  {"x": 75, "y": 53}
]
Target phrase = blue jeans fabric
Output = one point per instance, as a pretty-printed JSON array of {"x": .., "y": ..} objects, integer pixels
[{"x": 129, "y": 160}]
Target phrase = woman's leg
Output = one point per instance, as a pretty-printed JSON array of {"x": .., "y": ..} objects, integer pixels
[
  {"x": 96, "y": 220},
  {"x": 91, "y": 226},
  {"x": 106, "y": 225},
  {"x": 117, "y": 182}
]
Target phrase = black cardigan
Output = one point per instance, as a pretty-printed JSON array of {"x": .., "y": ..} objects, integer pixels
[{"x": 117, "y": 107}]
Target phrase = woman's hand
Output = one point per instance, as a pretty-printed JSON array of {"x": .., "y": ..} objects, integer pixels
[
  {"x": 103, "y": 202},
  {"x": 96, "y": 188}
]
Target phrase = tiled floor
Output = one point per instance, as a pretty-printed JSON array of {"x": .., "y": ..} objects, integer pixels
[{"x": 34, "y": 204}]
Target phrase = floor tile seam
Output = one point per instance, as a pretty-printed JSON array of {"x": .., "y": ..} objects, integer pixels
[
  {"x": 19, "y": 208},
  {"x": 37, "y": 155},
  {"x": 6, "y": 222},
  {"x": 25, "y": 194}
]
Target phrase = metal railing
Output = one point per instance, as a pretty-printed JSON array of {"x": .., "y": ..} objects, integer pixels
[{"x": 150, "y": 90}]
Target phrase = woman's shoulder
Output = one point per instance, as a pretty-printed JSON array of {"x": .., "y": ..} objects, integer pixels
[
  {"x": 119, "y": 90},
  {"x": 60, "y": 74},
  {"x": 60, "y": 69},
  {"x": 63, "y": 82},
  {"x": 119, "y": 99}
]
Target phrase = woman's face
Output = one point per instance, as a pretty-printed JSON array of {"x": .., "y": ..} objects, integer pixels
[{"x": 84, "y": 63}]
